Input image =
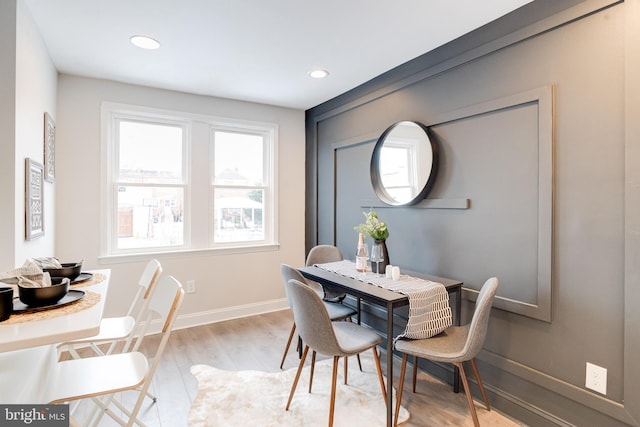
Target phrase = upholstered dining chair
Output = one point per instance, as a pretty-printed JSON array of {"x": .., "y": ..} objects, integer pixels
[
  {"x": 123, "y": 329},
  {"x": 102, "y": 377},
  {"x": 336, "y": 311},
  {"x": 321, "y": 254},
  {"x": 336, "y": 339},
  {"x": 455, "y": 345}
]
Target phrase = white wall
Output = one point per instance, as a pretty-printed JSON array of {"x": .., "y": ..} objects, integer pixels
[
  {"x": 36, "y": 92},
  {"x": 28, "y": 88},
  {"x": 7, "y": 132},
  {"x": 228, "y": 285}
]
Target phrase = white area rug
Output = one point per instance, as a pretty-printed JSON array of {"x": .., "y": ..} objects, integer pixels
[{"x": 246, "y": 398}]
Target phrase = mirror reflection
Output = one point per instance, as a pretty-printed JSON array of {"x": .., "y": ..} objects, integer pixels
[{"x": 404, "y": 164}]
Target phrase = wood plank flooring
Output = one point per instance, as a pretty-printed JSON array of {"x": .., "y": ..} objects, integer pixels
[{"x": 257, "y": 343}]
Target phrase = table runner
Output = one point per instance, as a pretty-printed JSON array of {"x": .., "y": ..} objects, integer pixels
[{"x": 429, "y": 311}]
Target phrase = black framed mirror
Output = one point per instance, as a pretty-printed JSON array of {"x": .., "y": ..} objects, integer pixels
[{"x": 404, "y": 164}]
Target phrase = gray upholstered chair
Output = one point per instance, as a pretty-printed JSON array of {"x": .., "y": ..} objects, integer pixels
[
  {"x": 337, "y": 339},
  {"x": 321, "y": 254},
  {"x": 336, "y": 311},
  {"x": 455, "y": 345}
]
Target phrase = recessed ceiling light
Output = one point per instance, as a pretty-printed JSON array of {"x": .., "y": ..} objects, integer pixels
[
  {"x": 319, "y": 74},
  {"x": 145, "y": 42}
]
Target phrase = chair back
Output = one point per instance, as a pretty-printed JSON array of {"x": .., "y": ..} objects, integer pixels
[
  {"x": 150, "y": 276},
  {"x": 480, "y": 319},
  {"x": 146, "y": 282},
  {"x": 323, "y": 253},
  {"x": 289, "y": 273},
  {"x": 311, "y": 318},
  {"x": 140, "y": 305},
  {"x": 164, "y": 304}
]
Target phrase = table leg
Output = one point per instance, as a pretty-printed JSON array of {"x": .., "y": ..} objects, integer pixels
[
  {"x": 456, "y": 320},
  {"x": 389, "y": 365}
]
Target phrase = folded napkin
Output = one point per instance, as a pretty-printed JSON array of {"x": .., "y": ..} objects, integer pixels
[
  {"x": 47, "y": 262},
  {"x": 30, "y": 275}
]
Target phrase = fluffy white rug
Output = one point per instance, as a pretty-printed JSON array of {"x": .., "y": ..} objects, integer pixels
[{"x": 244, "y": 398}]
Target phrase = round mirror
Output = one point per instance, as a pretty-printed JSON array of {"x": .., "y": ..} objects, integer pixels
[{"x": 404, "y": 164}]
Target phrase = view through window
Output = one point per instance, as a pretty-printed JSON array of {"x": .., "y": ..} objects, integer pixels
[{"x": 176, "y": 182}]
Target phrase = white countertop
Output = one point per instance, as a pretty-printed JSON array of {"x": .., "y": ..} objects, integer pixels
[{"x": 85, "y": 323}]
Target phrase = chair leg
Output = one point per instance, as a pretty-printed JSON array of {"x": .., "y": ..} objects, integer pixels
[
  {"x": 376, "y": 359},
  {"x": 400, "y": 387},
  {"x": 286, "y": 349},
  {"x": 346, "y": 363},
  {"x": 357, "y": 355},
  {"x": 467, "y": 391},
  {"x": 476, "y": 373},
  {"x": 313, "y": 366},
  {"x": 334, "y": 378},
  {"x": 415, "y": 372},
  {"x": 295, "y": 381}
]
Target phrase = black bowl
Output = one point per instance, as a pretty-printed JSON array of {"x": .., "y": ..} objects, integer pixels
[
  {"x": 47, "y": 295},
  {"x": 69, "y": 270}
]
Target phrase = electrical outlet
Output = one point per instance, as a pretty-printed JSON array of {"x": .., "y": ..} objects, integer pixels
[
  {"x": 191, "y": 286},
  {"x": 596, "y": 378}
]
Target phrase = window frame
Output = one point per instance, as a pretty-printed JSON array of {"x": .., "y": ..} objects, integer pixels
[
  {"x": 198, "y": 209},
  {"x": 268, "y": 176}
]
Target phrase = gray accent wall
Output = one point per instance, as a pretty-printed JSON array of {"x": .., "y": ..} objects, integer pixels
[{"x": 537, "y": 118}]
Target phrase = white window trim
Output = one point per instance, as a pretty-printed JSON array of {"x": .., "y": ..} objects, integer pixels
[
  {"x": 111, "y": 110},
  {"x": 269, "y": 160}
]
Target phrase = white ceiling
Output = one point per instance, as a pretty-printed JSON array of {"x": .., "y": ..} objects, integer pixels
[{"x": 253, "y": 50}]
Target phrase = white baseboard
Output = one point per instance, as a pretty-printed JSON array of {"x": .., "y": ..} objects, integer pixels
[{"x": 227, "y": 313}]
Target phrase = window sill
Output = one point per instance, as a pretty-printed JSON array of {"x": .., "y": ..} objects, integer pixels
[{"x": 186, "y": 253}]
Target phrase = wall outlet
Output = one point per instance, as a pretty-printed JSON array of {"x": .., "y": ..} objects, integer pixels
[
  {"x": 596, "y": 378},
  {"x": 191, "y": 286}
]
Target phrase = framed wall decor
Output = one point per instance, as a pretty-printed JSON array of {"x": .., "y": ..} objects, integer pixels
[
  {"x": 34, "y": 204},
  {"x": 49, "y": 148}
]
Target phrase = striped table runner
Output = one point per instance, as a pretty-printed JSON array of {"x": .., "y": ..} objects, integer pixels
[{"x": 429, "y": 311}]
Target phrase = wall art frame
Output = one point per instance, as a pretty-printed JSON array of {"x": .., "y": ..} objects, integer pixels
[
  {"x": 34, "y": 203},
  {"x": 49, "y": 148}
]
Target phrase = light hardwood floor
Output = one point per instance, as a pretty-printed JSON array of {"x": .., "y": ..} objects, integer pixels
[{"x": 257, "y": 343}]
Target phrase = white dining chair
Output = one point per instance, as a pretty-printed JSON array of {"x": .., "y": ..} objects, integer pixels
[
  {"x": 100, "y": 378},
  {"x": 123, "y": 329}
]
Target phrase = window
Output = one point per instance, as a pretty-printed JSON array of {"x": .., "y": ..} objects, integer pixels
[
  {"x": 149, "y": 185},
  {"x": 240, "y": 184},
  {"x": 398, "y": 171},
  {"x": 156, "y": 182}
]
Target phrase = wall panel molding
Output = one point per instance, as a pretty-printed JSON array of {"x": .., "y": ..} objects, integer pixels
[{"x": 543, "y": 97}]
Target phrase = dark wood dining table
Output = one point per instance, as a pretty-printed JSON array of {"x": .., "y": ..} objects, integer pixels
[{"x": 389, "y": 300}]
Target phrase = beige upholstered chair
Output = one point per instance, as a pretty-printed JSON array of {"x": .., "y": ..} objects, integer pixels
[
  {"x": 104, "y": 376},
  {"x": 337, "y": 339},
  {"x": 336, "y": 311},
  {"x": 455, "y": 345},
  {"x": 321, "y": 254}
]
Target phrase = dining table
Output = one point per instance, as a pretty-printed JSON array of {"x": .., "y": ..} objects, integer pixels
[
  {"x": 360, "y": 288},
  {"x": 29, "y": 338}
]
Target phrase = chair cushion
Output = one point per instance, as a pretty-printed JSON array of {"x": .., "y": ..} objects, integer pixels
[
  {"x": 447, "y": 346},
  {"x": 353, "y": 338},
  {"x": 338, "y": 311}
]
